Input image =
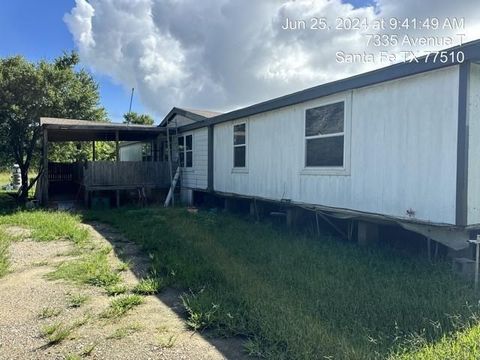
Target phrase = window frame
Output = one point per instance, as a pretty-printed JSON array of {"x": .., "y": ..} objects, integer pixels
[
  {"x": 329, "y": 170},
  {"x": 147, "y": 157},
  {"x": 185, "y": 151},
  {"x": 240, "y": 169}
]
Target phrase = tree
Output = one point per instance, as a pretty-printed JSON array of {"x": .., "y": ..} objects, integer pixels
[
  {"x": 29, "y": 91},
  {"x": 139, "y": 119}
]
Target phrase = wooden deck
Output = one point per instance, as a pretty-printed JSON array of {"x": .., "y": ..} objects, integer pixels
[
  {"x": 124, "y": 174},
  {"x": 109, "y": 175}
]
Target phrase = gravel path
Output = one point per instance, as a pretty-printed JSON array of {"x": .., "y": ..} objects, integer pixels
[{"x": 153, "y": 330}]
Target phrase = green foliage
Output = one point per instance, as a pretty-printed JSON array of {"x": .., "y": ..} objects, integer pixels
[
  {"x": 48, "y": 225},
  {"x": 77, "y": 300},
  {"x": 48, "y": 312},
  {"x": 116, "y": 289},
  {"x": 4, "y": 261},
  {"x": 458, "y": 345},
  {"x": 148, "y": 286},
  {"x": 44, "y": 226},
  {"x": 29, "y": 91},
  {"x": 81, "y": 151},
  {"x": 56, "y": 333},
  {"x": 138, "y": 119},
  {"x": 120, "y": 305},
  {"x": 92, "y": 269},
  {"x": 294, "y": 296},
  {"x": 123, "y": 332}
]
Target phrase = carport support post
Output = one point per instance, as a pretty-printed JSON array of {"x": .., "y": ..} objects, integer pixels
[
  {"x": 94, "y": 155},
  {"x": 368, "y": 233},
  {"x": 45, "y": 167},
  {"x": 117, "y": 151},
  {"x": 117, "y": 147}
]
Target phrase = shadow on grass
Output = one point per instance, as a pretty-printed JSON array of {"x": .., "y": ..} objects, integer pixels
[
  {"x": 8, "y": 203},
  {"x": 139, "y": 264}
]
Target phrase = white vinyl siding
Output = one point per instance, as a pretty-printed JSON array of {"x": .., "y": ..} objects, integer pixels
[
  {"x": 401, "y": 154},
  {"x": 196, "y": 176}
]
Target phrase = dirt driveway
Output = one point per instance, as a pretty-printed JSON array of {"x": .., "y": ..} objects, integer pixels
[{"x": 30, "y": 305}]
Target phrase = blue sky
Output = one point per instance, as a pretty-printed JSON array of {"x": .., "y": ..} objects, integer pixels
[{"x": 36, "y": 31}]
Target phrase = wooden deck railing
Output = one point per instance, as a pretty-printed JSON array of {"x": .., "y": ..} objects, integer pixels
[{"x": 125, "y": 174}]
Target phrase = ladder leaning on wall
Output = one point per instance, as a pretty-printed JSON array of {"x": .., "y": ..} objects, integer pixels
[{"x": 173, "y": 177}]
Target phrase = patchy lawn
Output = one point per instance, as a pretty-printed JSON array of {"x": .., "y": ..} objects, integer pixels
[
  {"x": 291, "y": 296},
  {"x": 67, "y": 294}
]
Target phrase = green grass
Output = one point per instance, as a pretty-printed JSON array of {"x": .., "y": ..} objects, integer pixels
[
  {"x": 56, "y": 333},
  {"x": 4, "y": 178},
  {"x": 116, "y": 289},
  {"x": 148, "y": 286},
  {"x": 4, "y": 261},
  {"x": 125, "y": 331},
  {"x": 120, "y": 305},
  {"x": 459, "y": 345},
  {"x": 48, "y": 225},
  {"x": 44, "y": 226},
  {"x": 48, "y": 312},
  {"x": 294, "y": 296},
  {"x": 76, "y": 300},
  {"x": 92, "y": 269}
]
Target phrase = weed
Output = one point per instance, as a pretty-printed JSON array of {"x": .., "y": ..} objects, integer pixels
[
  {"x": 148, "y": 286},
  {"x": 123, "y": 266},
  {"x": 166, "y": 341},
  {"x": 48, "y": 312},
  {"x": 116, "y": 289},
  {"x": 199, "y": 318},
  {"x": 4, "y": 261},
  {"x": 72, "y": 357},
  {"x": 82, "y": 321},
  {"x": 93, "y": 269},
  {"x": 87, "y": 351},
  {"x": 125, "y": 331},
  {"x": 56, "y": 333},
  {"x": 40, "y": 263},
  {"x": 76, "y": 300},
  {"x": 48, "y": 226},
  {"x": 120, "y": 305}
]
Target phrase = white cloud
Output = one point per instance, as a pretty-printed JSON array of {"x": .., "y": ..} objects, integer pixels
[{"x": 221, "y": 54}]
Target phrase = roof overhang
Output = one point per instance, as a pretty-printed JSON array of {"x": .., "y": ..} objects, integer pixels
[
  {"x": 470, "y": 50},
  {"x": 178, "y": 111},
  {"x": 61, "y": 130}
]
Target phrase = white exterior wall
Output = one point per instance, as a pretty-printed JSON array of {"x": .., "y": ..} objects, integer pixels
[
  {"x": 473, "y": 114},
  {"x": 196, "y": 177},
  {"x": 401, "y": 149},
  {"x": 131, "y": 152},
  {"x": 179, "y": 120}
]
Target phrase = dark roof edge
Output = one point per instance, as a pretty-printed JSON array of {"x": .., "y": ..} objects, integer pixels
[
  {"x": 388, "y": 73},
  {"x": 183, "y": 112}
]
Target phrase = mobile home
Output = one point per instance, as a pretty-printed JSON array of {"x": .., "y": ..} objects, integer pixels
[
  {"x": 399, "y": 144},
  {"x": 396, "y": 145}
]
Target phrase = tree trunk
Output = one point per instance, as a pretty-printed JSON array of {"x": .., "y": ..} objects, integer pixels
[{"x": 24, "y": 190}]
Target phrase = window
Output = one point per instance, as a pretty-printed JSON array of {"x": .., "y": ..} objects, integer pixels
[
  {"x": 185, "y": 150},
  {"x": 240, "y": 145},
  {"x": 324, "y": 136},
  {"x": 147, "y": 152},
  {"x": 165, "y": 151}
]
